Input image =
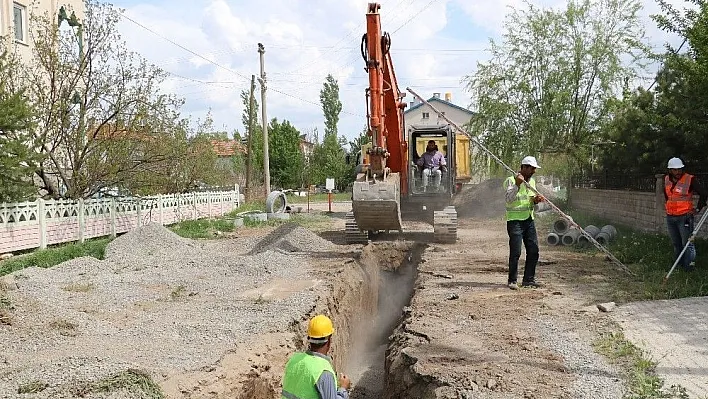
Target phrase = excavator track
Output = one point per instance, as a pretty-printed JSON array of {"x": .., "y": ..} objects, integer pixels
[
  {"x": 352, "y": 234},
  {"x": 445, "y": 225}
]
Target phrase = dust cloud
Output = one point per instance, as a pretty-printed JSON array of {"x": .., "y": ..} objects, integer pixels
[{"x": 399, "y": 263}]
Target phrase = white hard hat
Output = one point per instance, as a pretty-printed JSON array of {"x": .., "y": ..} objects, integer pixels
[
  {"x": 675, "y": 163},
  {"x": 529, "y": 160}
]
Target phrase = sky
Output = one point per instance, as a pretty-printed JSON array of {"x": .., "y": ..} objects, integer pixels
[{"x": 210, "y": 50}]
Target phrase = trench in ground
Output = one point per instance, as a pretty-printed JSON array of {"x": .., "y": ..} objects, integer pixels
[
  {"x": 366, "y": 304},
  {"x": 366, "y": 355}
]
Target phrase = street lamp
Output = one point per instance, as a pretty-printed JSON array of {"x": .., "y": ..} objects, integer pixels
[{"x": 592, "y": 152}]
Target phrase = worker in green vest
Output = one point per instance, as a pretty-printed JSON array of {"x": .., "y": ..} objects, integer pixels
[
  {"x": 520, "y": 201},
  {"x": 310, "y": 375}
]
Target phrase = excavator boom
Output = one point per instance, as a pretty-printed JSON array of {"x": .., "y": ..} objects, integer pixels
[{"x": 376, "y": 197}]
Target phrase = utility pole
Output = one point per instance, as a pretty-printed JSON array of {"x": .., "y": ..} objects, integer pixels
[
  {"x": 266, "y": 153},
  {"x": 251, "y": 130}
]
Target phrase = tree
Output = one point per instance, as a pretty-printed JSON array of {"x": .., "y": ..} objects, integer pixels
[
  {"x": 99, "y": 111},
  {"x": 331, "y": 105},
  {"x": 652, "y": 126},
  {"x": 356, "y": 145},
  {"x": 249, "y": 118},
  {"x": 548, "y": 86},
  {"x": 17, "y": 161},
  {"x": 286, "y": 160}
]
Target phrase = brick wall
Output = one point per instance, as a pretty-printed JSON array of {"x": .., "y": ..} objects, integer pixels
[{"x": 639, "y": 210}]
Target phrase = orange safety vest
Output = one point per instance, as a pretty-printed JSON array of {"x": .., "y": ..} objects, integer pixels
[{"x": 679, "y": 201}]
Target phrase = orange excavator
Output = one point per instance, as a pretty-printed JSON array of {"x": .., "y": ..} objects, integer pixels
[{"x": 387, "y": 180}]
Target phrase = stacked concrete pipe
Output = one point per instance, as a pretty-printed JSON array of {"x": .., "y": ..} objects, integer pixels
[
  {"x": 593, "y": 231},
  {"x": 607, "y": 233},
  {"x": 560, "y": 227}
]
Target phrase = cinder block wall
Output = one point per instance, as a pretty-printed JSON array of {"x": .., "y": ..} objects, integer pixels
[
  {"x": 640, "y": 210},
  {"x": 629, "y": 208}
]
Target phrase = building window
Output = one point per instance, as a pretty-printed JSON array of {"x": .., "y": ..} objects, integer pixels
[
  {"x": 19, "y": 13},
  {"x": 426, "y": 115}
]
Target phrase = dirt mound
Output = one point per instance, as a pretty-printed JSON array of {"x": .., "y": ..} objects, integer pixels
[
  {"x": 483, "y": 200},
  {"x": 290, "y": 237}
]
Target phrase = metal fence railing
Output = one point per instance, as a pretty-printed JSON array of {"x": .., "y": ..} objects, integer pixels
[
  {"x": 615, "y": 181},
  {"x": 622, "y": 181}
]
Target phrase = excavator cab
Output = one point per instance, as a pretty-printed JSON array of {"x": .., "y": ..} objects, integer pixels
[{"x": 424, "y": 180}]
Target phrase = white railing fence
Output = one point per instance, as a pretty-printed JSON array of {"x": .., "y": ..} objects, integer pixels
[{"x": 37, "y": 224}]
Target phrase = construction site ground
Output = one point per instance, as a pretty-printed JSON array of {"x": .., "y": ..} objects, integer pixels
[{"x": 414, "y": 319}]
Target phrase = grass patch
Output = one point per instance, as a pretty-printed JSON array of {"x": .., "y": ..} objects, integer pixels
[
  {"x": 178, "y": 292},
  {"x": 203, "y": 228},
  {"x": 650, "y": 257},
  {"x": 208, "y": 228},
  {"x": 32, "y": 387},
  {"x": 134, "y": 381},
  {"x": 320, "y": 197},
  {"x": 65, "y": 328},
  {"x": 643, "y": 383},
  {"x": 53, "y": 256}
]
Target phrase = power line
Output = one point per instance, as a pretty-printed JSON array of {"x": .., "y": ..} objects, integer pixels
[
  {"x": 182, "y": 47},
  {"x": 349, "y": 60},
  {"x": 415, "y": 15},
  {"x": 657, "y": 75},
  {"x": 217, "y": 64}
]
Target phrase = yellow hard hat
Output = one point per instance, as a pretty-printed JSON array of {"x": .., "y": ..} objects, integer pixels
[{"x": 320, "y": 327}]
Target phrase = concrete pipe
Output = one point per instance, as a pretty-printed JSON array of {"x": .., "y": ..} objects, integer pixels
[
  {"x": 256, "y": 216},
  {"x": 570, "y": 237},
  {"x": 276, "y": 202},
  {"x": 606, "y": 234},
  {"x": 552, "y": 239},
  {"x": 278, "y": 216},
  {"x": 593, "y": 231},
  {"x": 561, "y": 226}
]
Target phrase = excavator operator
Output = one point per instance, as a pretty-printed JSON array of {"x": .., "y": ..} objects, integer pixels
[{"x": 433, "y": 163}]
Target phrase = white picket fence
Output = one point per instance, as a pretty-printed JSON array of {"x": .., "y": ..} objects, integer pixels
[{"x": 37, "y": 224}]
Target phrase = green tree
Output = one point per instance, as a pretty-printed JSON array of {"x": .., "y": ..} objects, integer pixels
[
  {"x": 329, "y": 157},
  {"x": 650, "y": 127},
  {"x": 549, "y": 84},
  {"x": 17, "y": 160},
  {"x": 331, "y": 105},
  {"x": 249, "y": 117},
  {"x": 100, "y": 114},
  {"x": 286, "y": 160}
]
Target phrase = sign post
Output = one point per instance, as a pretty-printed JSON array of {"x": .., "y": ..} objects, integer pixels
[{"x": 329, "y": 185}]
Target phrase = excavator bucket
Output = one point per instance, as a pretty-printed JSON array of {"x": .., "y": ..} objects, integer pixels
[{"x": 376, "y": 206}]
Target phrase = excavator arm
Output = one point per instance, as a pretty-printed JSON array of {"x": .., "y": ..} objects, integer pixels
[
  {"x": 389, "y": 150},
  {"x": 376, "y": 193}
]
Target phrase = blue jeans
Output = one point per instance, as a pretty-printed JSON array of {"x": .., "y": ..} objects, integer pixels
[
  {"x": 680, "y": 229},
  {"x": 522, "y": 231}
]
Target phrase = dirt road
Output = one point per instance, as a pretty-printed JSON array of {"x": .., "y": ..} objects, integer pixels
[{"x": 455, "y": 330}]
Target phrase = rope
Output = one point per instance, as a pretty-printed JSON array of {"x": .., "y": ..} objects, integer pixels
[{"x": 513, "y": 172}]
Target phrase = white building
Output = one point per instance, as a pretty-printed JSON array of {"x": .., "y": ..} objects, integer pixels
[
  {"x": 16, "y": 20},
  {"x": 417, "y": 113},
  {"x": 420, "y": 114}
]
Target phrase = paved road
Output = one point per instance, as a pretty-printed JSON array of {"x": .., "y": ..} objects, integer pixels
[{"x": 675, "y": 333}]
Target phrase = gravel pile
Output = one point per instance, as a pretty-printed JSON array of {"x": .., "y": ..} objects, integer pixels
[
  {"x": 290, "y": 237},
  {"x": 594, "y": 378},
  {"x": 157, "y": 302}
]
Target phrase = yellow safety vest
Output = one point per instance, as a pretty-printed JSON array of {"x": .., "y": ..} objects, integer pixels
[
  {"x": 522, "y": 207},
  {"x": 302, "y": 372}
]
